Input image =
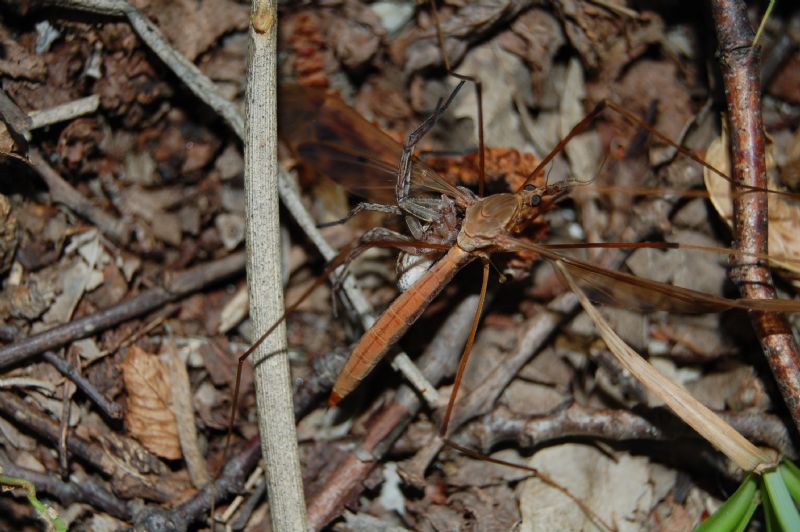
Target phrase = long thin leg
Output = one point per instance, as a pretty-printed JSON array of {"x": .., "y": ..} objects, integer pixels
[
  {"x": 478, "y": 94},
  {"x": 581, "y": 126},
  {"x": 361, "y": 207},
  {"x": 404, "y": 171},
  {"x": 382, "y": 237},
  {"x": 462, "y": 366},
  {"x": 547, "y": 479}
]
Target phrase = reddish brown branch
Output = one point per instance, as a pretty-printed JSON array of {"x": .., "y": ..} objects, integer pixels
[
  {"x": 347, "y": 481},
  {"x": 739, "y": 63}
]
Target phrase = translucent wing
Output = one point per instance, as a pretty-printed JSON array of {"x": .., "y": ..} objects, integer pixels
[
  {"x": 363, "y": 176},
  {"x": 629, "y": 291},
  {"x": 339, "y": 142}
]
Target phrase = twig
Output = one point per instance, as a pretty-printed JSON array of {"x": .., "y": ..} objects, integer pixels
[
  {"x": 109, "y": 408},
  {"x": 230, "y": 481},
  {"x": 249, "y": 506},
  {"x": 176, "y": 285},
  {"x": 62, "y": 192},
  {"x": 255, "y": 484},
  {"x": 13, "y": 116},
  {"x": 181, "y": 405},
  {"x": 617, "y": 425},
  {"x": 67, "y": 391},
  {"x": 439, "y": 360},
  {"x": 264, "y": 280},
  {"x": 85, "y": 490},
  {"x": 64, "y": 112},
  {"x": 13, "y": 408},
  {"x": 739, "y": 63}
]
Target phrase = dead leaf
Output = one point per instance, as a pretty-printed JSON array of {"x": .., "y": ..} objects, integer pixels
[
  {"x": 194, "y": 26},
  {"x": 182, "y": 408},
  {"x": 784, "y": 215},
  {"x": 618, "y": 490},
  {"x": 9, "y": 236},
  {"x": 148, "y": 415}
]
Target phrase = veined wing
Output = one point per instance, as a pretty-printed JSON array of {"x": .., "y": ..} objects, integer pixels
[
  {"x": 635, "y": 293},
  {"x": 342, "y": 144},
  {"x": 362, "y": 176}
]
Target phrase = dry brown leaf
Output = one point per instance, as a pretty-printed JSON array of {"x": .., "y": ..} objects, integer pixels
[
  {"x": 784, "y": 215},
  {"x": 148, "y": 415},
  {"x": 194, "y": 26},
  {"x": 184, "y": 413},
  {"x": 616, "y": 488}
]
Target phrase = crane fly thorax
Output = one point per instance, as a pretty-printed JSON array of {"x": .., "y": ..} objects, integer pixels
[
  {"x": 507, "y": 214},
  {"x": 486, "y": 219}
]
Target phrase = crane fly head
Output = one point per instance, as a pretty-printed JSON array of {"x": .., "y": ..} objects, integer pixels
[
  {"x": 542, "y": 198},
  {"x": 532, "y": 202}
]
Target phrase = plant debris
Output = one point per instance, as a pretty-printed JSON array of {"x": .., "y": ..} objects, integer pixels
[{"x": 124, "y": 291}]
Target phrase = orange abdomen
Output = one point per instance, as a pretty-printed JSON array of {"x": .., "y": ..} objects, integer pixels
[{"x": 396, "y": 320}]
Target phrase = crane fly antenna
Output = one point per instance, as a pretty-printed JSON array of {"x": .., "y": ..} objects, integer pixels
[{"x": 576, "y": 130}]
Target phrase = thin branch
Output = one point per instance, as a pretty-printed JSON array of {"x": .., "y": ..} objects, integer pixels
[
  {"x": 501, "y": 427},
  {"x": 739, "y": 63},
  {"x": 83, "y": 490},
  {"x": 64, "y": 112},
  {"x": 264, "y": 280},
  {"x": 109, "y": 408},
  {"x": 176, "y": 285},
  {"x": 230, "y": 481},
  {"x": 13, "y": 408},
  {"x": 119, "y": 231}
]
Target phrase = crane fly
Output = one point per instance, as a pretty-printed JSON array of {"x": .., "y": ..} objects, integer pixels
[{"x": 455, "y": 226}]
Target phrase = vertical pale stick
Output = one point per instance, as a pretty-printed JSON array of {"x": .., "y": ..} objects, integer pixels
[{"x": 273, "y": 383}]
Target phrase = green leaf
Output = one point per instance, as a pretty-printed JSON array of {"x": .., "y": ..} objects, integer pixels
[
  {"x": 736, "y": 512},
  {"x": 791, "y": 476},
  {"x": 778, "y": 498}
]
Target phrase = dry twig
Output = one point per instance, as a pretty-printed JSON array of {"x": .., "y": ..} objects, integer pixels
[
  {"x": 739, "y": 62},
  {"x": 176, "y": 285},
  {"x": 271, "y": 359}
]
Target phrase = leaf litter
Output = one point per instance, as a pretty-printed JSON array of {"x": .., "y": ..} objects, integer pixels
[{"x": 167, "y": 168}]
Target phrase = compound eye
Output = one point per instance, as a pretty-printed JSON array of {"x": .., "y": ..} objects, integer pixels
[
  {"x": 536, "y": 199},
  {"x": 528, "y": 188}
]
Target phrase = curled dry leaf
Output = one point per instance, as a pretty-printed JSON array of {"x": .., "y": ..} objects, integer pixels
[
  {"x": 9, "y": 237},
  {"x": 784, "y": 214},
  {"x": 148, "y": 415}
]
